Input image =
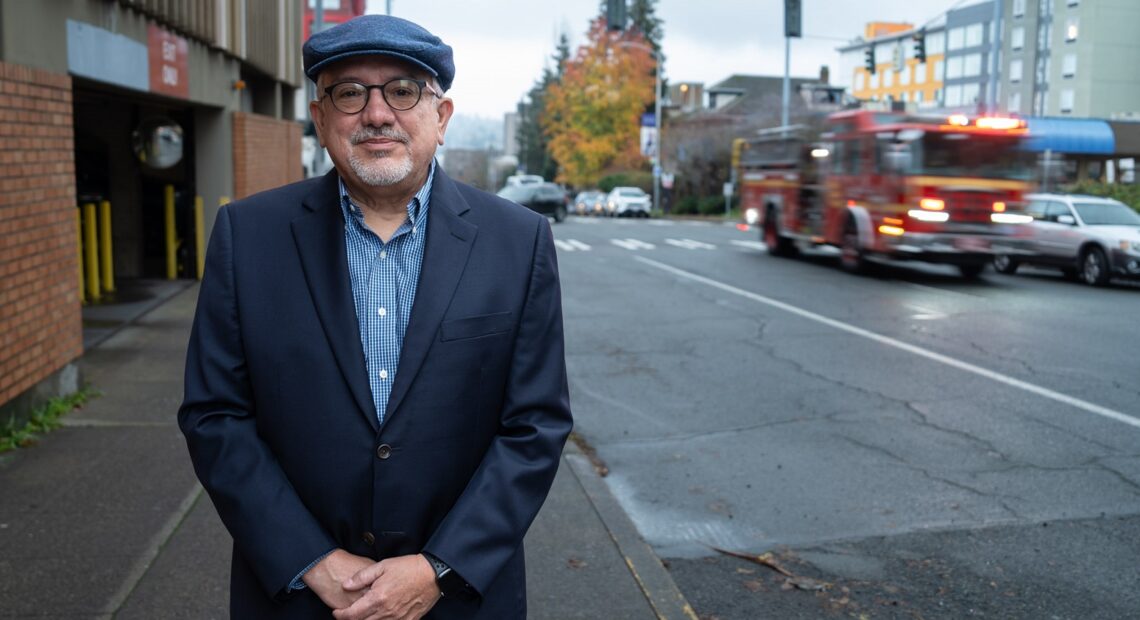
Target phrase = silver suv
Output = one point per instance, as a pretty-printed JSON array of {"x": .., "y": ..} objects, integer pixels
[{"x": 1093, "y": 238}]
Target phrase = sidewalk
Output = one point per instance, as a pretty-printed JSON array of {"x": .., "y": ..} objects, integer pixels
[{"x": 104, "y": 517}]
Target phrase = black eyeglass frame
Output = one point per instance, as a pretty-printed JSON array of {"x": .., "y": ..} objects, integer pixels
[{"x": 422, "y": 84}]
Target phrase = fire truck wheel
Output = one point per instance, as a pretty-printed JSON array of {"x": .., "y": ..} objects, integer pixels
[
  {"x": 777, "y": 244},
  {"x": 1003, "y": 263},
  {"x": 851, "y": 256},
  {"x": 1094, "y": 267},
  {"x": 971, "y": 270}
]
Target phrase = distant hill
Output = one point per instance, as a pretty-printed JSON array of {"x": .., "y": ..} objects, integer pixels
[{"x": 475, "y": 132}]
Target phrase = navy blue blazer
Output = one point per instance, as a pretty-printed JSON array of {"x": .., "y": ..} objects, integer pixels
[{"x": 278, "y": 414}]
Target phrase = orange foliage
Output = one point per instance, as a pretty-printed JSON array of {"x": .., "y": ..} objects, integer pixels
[{"x": 593, "y": 115}]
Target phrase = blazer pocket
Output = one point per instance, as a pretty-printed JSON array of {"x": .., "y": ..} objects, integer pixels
[{"x": 475, "y": 326}]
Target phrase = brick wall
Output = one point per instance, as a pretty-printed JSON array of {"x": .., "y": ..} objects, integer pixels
[
  {"x": 267, "y": 153},
  {"x": 41, "y": 328}
]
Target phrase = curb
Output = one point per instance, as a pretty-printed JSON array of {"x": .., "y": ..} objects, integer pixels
[{"x": 650, "y": 574}]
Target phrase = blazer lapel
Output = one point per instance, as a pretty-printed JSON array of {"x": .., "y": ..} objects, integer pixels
[
  {"x": 448, "y": 245},
  {"x": 319, "y": 235}
]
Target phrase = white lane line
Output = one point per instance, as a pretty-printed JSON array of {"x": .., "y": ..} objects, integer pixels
[
  {"x": 690, "y": 244},
  {"x": 632, "y": 244},
  {"x": 564, "y": 245},
  {"x": 751, "y": 245},
  {"x": 578, "y": 245},
  {"x": 898, "y": 344}
]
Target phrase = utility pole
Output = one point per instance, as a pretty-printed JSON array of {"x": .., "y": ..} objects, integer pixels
[{"x": 389, "y": 7}]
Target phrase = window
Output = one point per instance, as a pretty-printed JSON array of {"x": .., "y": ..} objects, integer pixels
[
  {"x": 939, "y": 70},
  {"x": 1069, "y": 65},
  {"x": 1015, "y": 102},
  {"x": 888, "y": 78},
  {"x": 904, "y": 76},
  {"x": 956, "y": 38},
  {"x": 970, "y": 93},
  {"x": 920, "y": 74},
  {"x": 1018, "y": 8},
  {"x": 974, "y": 34},
  {"x": 918, "y": 96},
  {"x": 1017, "y": 38},
  {"x": 875, "y": 80},
  {"x": 953, "y": 96},
  {"x": 902, "y": 97},
  {"x": 972, "y": 65},
  {"x": 935, "y": 43},
  {"x": 1066, "y": 102},
  {"x": 860, "y": 80},
  {"x": 953, "y": 67},
  {"x": 1072, "y": 28},
  {"x": 1015, "y": 70}
]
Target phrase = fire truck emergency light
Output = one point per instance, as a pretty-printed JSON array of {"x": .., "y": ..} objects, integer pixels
[
  {"x": 929, "y": 216},
  {"x": 932, "y": 204},
  {"x": 994, "y": 122},
  {"x": 960, "y": 120}
]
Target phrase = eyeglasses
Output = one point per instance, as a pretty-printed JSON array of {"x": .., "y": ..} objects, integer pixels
[{"x": 400, "y": 94}]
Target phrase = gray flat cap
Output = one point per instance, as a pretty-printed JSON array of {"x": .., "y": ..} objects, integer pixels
[{"x": 380, "y": 35}]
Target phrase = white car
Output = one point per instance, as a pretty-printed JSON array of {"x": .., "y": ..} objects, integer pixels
[
  {"x": 1093, "y": 238},
  {"x": 628, "y": 202}
]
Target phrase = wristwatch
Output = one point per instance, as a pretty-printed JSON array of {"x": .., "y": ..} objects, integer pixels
[{"x": 451, "y": 585}]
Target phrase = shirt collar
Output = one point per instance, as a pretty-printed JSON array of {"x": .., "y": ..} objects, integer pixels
[{"x": 417, "y": 206}]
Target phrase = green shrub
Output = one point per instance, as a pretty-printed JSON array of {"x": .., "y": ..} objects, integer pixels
[
  {"x": 686, "y": 205},
  {"x": 711, "y": 205}
]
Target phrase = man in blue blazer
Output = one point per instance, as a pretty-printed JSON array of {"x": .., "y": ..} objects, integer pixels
[{"x": 376, "y": 395}]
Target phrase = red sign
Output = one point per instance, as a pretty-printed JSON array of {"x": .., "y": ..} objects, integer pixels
[{"x": 169, "y": 63}]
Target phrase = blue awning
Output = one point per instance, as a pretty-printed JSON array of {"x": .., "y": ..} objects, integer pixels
[{"x": 1074, "y": 136}]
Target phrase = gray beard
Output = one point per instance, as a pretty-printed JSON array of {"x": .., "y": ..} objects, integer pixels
[{"x": 376, "y": 172}]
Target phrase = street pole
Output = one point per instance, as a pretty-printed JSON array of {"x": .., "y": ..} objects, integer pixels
[
  {"x": 389, "y": 7},
  {"x": 660, "y": 126}
]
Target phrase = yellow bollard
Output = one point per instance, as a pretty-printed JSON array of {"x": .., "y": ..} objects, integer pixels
[
  {"x": 79, "y": 252},
  {"x": 199, "y": 236},
  {"x": 171, "y": 240},
  {"x": 91, "y": 251},
  {"x": 105, "y": 247}
]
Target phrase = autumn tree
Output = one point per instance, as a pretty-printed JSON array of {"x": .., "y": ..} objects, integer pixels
[{"x": 592, "y": 115}]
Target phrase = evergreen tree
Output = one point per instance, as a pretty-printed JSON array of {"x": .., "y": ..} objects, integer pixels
[
  {"x": 643, "y": 16},
  {"x": 534, "y": 145}
]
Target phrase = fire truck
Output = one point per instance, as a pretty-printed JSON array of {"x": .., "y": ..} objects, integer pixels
[{"x": 871, "y": 183}]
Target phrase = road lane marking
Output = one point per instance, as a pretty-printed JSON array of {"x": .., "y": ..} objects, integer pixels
[
  {"x": 690, "y": 244},
  {"x": 751, "y": 245},
  {"x": 570, "y": 245},
  {"x": 898, "y": 344},
  {"x": 632, "y": 244}
]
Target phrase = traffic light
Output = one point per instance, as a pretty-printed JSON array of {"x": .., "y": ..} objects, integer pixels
[
  {"x": 869, "y": 59},
  {"x": 920, "y": 46},
  {"x": 615, "y": 14}
]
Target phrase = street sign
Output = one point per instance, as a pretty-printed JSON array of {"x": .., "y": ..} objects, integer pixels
[
  {"x": 728, "y": 188},
  {"x": 667, "y": 180}
]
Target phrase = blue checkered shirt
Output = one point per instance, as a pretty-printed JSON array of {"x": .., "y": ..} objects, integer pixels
[{"x": 384, "y": 278}]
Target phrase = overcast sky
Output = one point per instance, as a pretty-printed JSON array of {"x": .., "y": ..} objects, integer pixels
[{"x": 501, "y": 45}]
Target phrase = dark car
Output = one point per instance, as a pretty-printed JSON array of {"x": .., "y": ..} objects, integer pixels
[{"x": 545, "y": 198}]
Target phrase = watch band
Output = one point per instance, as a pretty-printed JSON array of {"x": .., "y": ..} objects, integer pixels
[{"x": 451, "y": 585}]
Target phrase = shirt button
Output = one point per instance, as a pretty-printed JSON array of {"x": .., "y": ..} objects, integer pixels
[
  {"x": 383, "y": 374},
  {"x": 413, "y": 230},
  {"x": 383, "y": 312},
  {"x": 383, "y": 451},
  {"x": 383, "y": 254},
  {"x": 369, "y": 539}
]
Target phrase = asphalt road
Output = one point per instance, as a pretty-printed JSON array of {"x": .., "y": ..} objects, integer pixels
[{"x": 907, "y": 444}]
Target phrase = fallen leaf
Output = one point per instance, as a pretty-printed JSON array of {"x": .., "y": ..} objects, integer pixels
[{"x": 576, "y": 563}]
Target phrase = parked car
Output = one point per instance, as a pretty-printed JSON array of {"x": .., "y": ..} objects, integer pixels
[
  {"x": 524, "y": 179},
  {"x": 546, "y": 198},
  {"x": 628, "y": 202},
  {"x": 1092, "y": 238},
  {"x": 590, "y": 202}
]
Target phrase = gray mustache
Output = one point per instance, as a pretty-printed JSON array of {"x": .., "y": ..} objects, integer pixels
[{"x": 368, "y": 133}]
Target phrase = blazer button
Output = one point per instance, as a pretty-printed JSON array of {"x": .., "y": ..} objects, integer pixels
[
  {"x": 384, "y": 451},
  {"x": 369, "y": 539}
]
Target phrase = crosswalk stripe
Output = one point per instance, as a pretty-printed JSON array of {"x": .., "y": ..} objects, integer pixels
[
  {"x": 690, "y": 244},
  {"x": 563, "y": 245},
  {"x": 578, "y": 245},
  {"x": 632, "y": 244},
  {"x": 752, "y": 245}
]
